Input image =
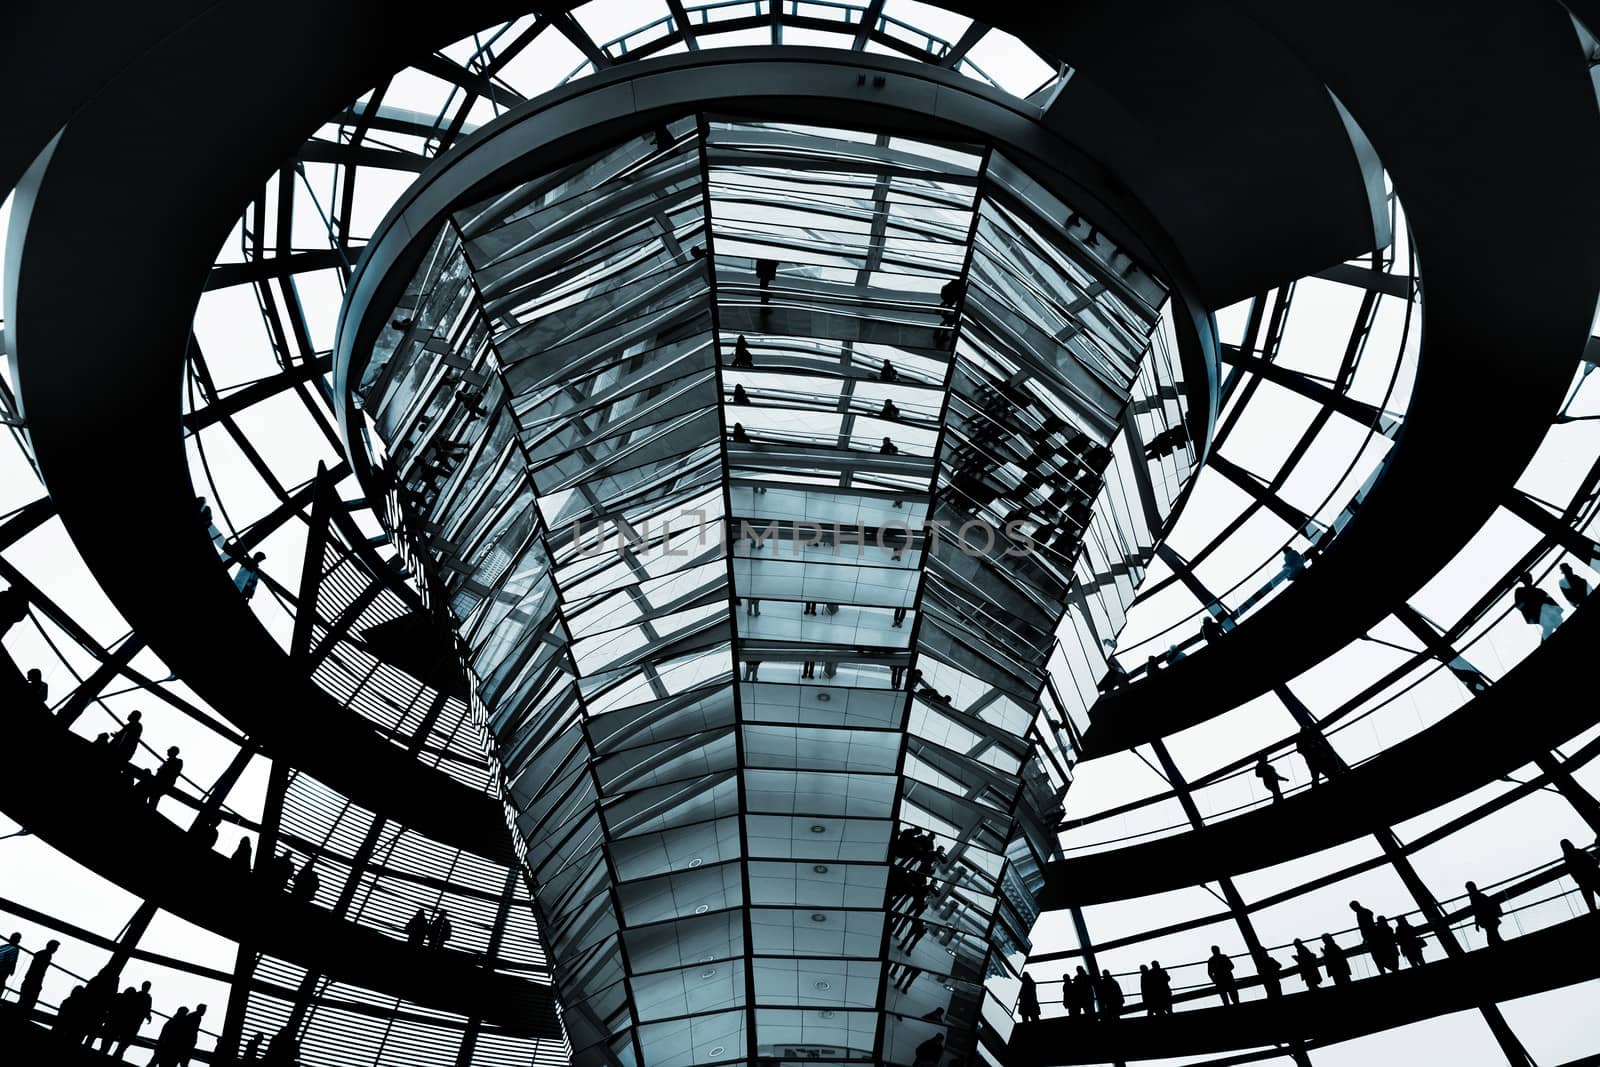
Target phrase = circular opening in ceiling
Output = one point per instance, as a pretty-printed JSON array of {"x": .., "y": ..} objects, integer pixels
[{"x": 818, "y": 828}]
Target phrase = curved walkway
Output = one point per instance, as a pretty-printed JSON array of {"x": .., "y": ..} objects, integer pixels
[
  {"x": 1432, "y": 767},
  {"x": 61, "y": 793},
  {"x": 1559, "y": 955},
  {"x": 1499, "y": 346}
]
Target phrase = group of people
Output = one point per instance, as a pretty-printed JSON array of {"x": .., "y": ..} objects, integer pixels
[
  {"x": 94, "y": 1012},
  {"x": 278, "y": 872},
  {"x": 1388, "y": 943},
  {"x": 913, "y": 857},
  {"x": 434, "y": 932},
  {"x": 1539, "y": 608},
  {"x": 116, "y": 751}
]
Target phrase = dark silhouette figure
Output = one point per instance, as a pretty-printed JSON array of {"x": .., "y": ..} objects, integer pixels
[
  {"x": 1110, "y": 996},
  {"x": 1334, "y": 961},
  {"x": 183, "y": 1050},
  {"x": 128, "y": 1014},
  {"x": 1305, "y": 965},
  {"x": 888, "y": 448},
  {"x": 1573, "y": 586},
  {"x": 1385, "y": 949},
  {"x": 1147, "y": 990},
  {"x": 752, "y": 667},
  {"x": 742, "y": 356},
  {"x": 887, "y": 373},
  {"x": 766, "y": 273},
  {"x": 1314, "y": 749},
  {"x": 1077, "y": 994},
  {"x": 306, "y": 884},
  {"x": 1161, "y": 986},
  {"x": 72, "y": 1017},
  {"x": 1409, "y": 940},
  {"x": 252, "y": 1051},
  {"x": 1220, "y": 968},
  {"x": 1270, "y": 777},
  {"x": 1584, "y": 869},
  {"x": 38, "y": 689},
  {"x": 241, "y": 856},
  {"x": 10, "y": 953},
  {"x": 1538, "y": 608},
  {"x": 1028, "y": 1000},
  {"x": 1486, "y": 914},
  {"x": 1165, "y": 443},
  {"x": 739, "y": 395},
  {"x": 125, "y": 742},
  {"x": 283, "y": 1051},
  {"x": 1211, "y": 630},
  {"x": 166, "y": 776},
  {"x": 899, "y": 617},
  {"x": 1367, "y": 926},
  {"x": 889, "y": 410},
  {"x": 930, "y": 1052},
  {"x": 739, "y": 435},
  {"x": 170, "y": 1040},
  {"x": 439, "y": 930},
  {"x": 33, "y": 978},
  {"x": 278, "y": 871},
  {"x": 417, "y": 929}
]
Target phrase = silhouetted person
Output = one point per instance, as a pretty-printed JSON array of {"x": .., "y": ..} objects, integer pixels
[
  {"x": 165, "y": 777},
  {"x": 13, "y": 608},
  {"x": 889, "y": 410},
  {"x": 1584, "y": 869},
  {"x": 10, "y": 953},
  {"x": 1334, "y": 961},
  {"x": 1305, "y": 965},
  {"x": 204, "y": 831},
  {"x": 128, "y": 1014},
  {"x": 170, "y": 1040},
  {"x": 125, "y": 742},
  {"x": 739, "y": 395},
  {"x": 1409, "y": 940},
  {"x": 183, "y": 1049},
  {"x": 38, "y": 689},
  {"x": 766, "y": 273},
  {"x": 914, "y": 934},
  {"x": 752, "y": 667},
  {"x": 241, "y": 856},
  {"x": 931, "y": 1051},
  {"x": 1210, "y": 629},
  {"x": 1220, "y": 968},
  {"x": 283, "y": 1049},
  {"x": 417, "y": 929},
  {"x": 1486, "y": 914},
  {"x": 71, "y": 1022},
  {"x": 1385, "y": 949},
  {"x": 306, "y": 884},
  {"x": 1573, "y": 586},
  {"x": 742, "y": 356},
  {"x": 249, "y": 574},
  {"x": 1147, "y": 989},
  {"x": 888, "y": 448},
  {"x": 1313, "y": 748},
  {"x": 439, "y": 930},
  {"x": 1109, "y": 994},
  {"x": 1077, "y": 994},
  {"x": 950, "y": 292},
  {"x": 1166, "y": 442},
  {"x": 1538, "y": 608},
  {"x": 739, "y": 435},
  {"x": 887, "y": 373},
  {"x": 1028, "y": 1000},
  {"x": 33, "y": 978},
  {"x": 1270, "y": 777},
  {"x": 1161, "y": 986},
  {"x": 1367, "y": 926},
  {"x": 252, "y": 1051}
]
